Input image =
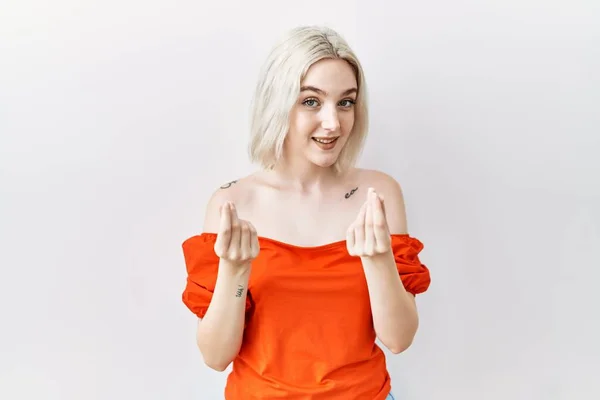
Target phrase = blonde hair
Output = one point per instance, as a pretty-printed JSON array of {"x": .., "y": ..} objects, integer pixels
[{"x": 278, "y": 89}]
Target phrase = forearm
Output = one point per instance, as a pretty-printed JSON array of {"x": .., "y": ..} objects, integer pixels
[
  {"x": 221, "y": 330},
  {"x": 394, "y": 311}
]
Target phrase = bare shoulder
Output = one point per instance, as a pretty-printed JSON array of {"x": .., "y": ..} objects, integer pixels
[
  {"x": 387, "y": 186},
  {"x": 239, "y": 191},
  {"x": 382, "y": 182}
]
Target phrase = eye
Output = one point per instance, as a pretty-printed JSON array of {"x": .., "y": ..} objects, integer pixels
[
  {"x": 347, "y": 103},
  {"x": 311, "y": 102}
]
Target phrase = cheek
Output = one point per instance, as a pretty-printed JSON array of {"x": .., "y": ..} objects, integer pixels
[
  {"x": 296, "y": 124},
  {"x": 347, "y": 122},
  {"x": 304, "y": 124}
]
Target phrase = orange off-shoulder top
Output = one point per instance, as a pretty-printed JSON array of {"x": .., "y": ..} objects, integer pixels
[{"x": 309, "y": 331}]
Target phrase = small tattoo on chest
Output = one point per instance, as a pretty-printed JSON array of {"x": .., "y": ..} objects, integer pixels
[
  {"x": 350, "y": 193},
  {"x": 228, "y": 185}
]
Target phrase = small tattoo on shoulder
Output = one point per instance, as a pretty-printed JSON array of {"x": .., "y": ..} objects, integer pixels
[
  {"x": 350, "y": 193},
  {"x": 228, "y": 185}
]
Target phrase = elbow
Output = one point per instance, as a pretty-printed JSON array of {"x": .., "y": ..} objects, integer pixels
[
  {"x": 218, "y": 366},
  {"x": 400, "y": 342},
  {"x": 216, "y": 354},
  {"x": 215, "y": 360},
  {"x": 403, "y": 338},
  {"x": 400, "y": 346}
]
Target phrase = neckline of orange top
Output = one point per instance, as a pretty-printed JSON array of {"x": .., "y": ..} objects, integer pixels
[{"x": 325, "y": 246}]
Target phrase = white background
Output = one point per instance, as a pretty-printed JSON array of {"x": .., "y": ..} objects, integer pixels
[{"x": 119, "y": 118}]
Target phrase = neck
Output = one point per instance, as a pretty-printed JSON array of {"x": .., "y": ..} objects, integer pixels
[{"x": 305, "y": 178}]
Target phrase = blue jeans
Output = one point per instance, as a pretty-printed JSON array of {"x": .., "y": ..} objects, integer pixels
[{"x": 390, "y": 397}]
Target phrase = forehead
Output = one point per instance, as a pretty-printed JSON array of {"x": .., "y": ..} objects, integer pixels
[{"x": 330, "y": 75}]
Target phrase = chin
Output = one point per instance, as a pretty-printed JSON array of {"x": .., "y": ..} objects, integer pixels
[
  {"x": 324, "y": 162},
  {"x": 325, "y": 157}
]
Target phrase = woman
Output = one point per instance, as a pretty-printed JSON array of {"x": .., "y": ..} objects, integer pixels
[{"x": 303, "y": 264}]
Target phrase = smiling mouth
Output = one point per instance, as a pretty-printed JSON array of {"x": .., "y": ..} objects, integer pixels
[{"x": 325, "y": 140}]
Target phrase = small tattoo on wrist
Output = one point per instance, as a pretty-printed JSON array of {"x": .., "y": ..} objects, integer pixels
[
  {"x": 239, "y": 291},
  {"x": 228, "y": 185},
  {"x": 350, "y": 193}
]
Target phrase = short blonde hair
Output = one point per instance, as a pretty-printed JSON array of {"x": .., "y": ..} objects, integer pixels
[{"x": 278, "y": 89}]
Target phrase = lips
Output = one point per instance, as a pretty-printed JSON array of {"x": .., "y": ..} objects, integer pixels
[
  {"x": 325, "y": 143},
  {"x": 325, "y": 140}
]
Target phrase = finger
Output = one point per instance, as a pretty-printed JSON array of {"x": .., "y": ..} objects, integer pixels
[
  {"x": 225, "y": 223},
  {"x": 382, "y": 234},
  {"x": 224, "y": 233},
  {"x": 254, "y": 244},
  {"x": 379, "y": 219},
  {"x": 245, "y": 245},
  {"x": 369, "y": 209},
  {"x": 383, "y": 205},
  {"x": 234, "y": 245},
  {"x": 350, "y": 240},
  {"x": 359, "y": 230},
  {"x": 360, "y": 218},
  {"x": 369, "y": 232}
]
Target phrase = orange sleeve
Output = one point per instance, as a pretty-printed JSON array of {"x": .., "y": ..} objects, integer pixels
[
  {"x": 202, "y": 265},
  {"x": 414, "y": 275}
]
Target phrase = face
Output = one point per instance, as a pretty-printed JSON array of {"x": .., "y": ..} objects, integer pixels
[{"x": 323, "y": 117}]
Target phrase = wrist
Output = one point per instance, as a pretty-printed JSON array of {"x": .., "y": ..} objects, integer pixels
[
  {"x": 235, "y": 269},
  {"x": 379, "y": 259}
]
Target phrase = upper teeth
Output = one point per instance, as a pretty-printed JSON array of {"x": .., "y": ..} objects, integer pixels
[{"x": 324, "y": 141}]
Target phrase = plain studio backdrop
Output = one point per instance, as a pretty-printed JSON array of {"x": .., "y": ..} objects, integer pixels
[{"x": 118, "y": 119}]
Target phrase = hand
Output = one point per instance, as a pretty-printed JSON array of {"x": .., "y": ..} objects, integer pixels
[
  {"x": 237, "y": 241},
  {"x": 369, "y": 234}
]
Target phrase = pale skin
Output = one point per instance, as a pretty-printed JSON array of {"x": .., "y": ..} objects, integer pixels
[{"x": 290, "y": 203}]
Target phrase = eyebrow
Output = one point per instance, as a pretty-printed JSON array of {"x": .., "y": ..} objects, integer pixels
[{"x": 324, "y": 93}]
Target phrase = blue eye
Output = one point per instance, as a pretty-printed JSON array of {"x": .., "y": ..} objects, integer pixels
[
  {"x": 347, "y": 103},
  {"x": 311, "y": 102}
]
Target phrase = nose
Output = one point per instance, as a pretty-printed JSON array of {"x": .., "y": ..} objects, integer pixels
[{"x": 330, "y": 120}]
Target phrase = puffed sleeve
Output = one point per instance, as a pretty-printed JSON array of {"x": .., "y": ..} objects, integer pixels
[
  {"x": 414, "y": 275},
  {"x": 202, "y": 265}
]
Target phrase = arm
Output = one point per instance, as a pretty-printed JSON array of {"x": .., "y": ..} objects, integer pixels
[
  {"x": 219, "y": 333},
  {"x": 394, "y": 310}
]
